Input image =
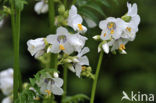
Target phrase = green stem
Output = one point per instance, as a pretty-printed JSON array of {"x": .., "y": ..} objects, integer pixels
[
  {"x": 65, "y": 3},
  {"x": 65, "y": 73},
  {"x": 74, "y": 1},
  {"x": 96, "y": 78},
  {"x": 52, "y": 30},
  {"x": 15, "y": 21},
  {"x": 51, "y": 15}
]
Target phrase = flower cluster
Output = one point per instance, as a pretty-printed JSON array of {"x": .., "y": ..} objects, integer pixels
[
  {"x": 69, "y": 47},
  {"x": 6, "y": 84},
  {"x": 117, "y": 32}
]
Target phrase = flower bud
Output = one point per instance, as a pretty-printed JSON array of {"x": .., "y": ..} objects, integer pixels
[
  {"x": 96, "y": 37},
  {"x": 61, "y": 9},
  {"x": 67, "y": 60},
  {"x": 126, "y": 18},
  {"x": 56, "y": 75}
]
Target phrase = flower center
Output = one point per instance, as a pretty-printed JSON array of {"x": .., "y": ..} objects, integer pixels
[
  {"x": 104, "y": 34},
  {"x": 48, "y": 91},
  {"x": 111, "y": 25},
  {"x": 61, "y": 38},
  {"x": 122, "y": 47},
  {"x": 129, "y": 29},
  {"x": 61, "y": 47},
  {"x": 47, "y": 80},
  {"x": 80, "y": 27},
  {"x": 83, "y": 68},
  {"x": 112, "y": 31}
]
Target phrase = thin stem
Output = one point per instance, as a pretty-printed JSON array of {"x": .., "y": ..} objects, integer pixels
[
  {"x": 74, "y": 1},
  {"x": 15, "y": 21},
  {"x": 96, "y": 78},
  {"x": 53, "y": 63},
  {"x": 65, "y": 73},
  {"x": 65, "y": 3},
  {"x": 51, "y": 15}
]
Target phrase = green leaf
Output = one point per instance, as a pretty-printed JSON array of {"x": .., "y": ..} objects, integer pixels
[
  {"x": 87, "y": 13},
  {"x": 95, "y": 7},
  {"x": 76, "y": 98},
  {"x": 104, "y": 2},
  {"x": 116, "y": 1}
]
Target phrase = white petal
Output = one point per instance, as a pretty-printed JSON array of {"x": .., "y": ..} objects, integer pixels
[
  {"x": 132, "y": 10},
  {"x": 84, "y": 60},
  {"x": 99, "y": 49},
  {"x": 57, "y": 90},
  {"x": 68, "y": 48},
  {"x": 58, "y": 82},
  {"x": 104, "y": 35},
  {"x": 38, "y": 7},
  {"x": 105, "y": 48},
  {"x": 62, "y": 31},
  {"x": 39, "y": 53},
  {"x": 36, "y": 45},
  {"x": 44, "y": 8},
  {"x": 78, "y": 70},
  {"x": 52, "y": 39},
  {"x": 55, "y": 48},
  {"x": 77, "y": 41},
  {"x": 7, "y": 100},
  {"x": 103, "y": 24},
  {"x": 83, "y": 51},
  {"x": 73, "y": 11}
]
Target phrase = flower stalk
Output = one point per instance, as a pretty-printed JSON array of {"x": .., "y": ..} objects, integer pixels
[
  {"x": 96, "y": 77},
  {"x": 15, "y": 21},
  {"x": 65, "y": 73}
]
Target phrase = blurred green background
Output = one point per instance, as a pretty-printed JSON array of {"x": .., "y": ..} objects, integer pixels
[{"x": 135, "y": 71}]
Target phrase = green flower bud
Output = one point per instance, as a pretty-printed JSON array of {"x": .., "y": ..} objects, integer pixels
[
  {"x": 61, "y": 9},
  {"x": 126, "y": 18},
  {"x": 66, "y": 14}
]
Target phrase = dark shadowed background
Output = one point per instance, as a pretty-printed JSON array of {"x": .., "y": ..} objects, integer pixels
[{"x": 135, "y": 71}]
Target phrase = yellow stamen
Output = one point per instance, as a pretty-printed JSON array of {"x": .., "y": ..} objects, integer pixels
[
  {"x": 61, "y": 47},
  {"x": 83, "y": 68},
  {"x": 48, "y": 91},
  {"x": 112, "y": 31},
  {"x": 104, "y": 34},
  {"x": 80, "y": 27},
  {"x": 122, "y": 47},
  {"x": 111, "y": 25},
  {"x": 129, "y": 29},
  {"x": 37, "y": 98}
]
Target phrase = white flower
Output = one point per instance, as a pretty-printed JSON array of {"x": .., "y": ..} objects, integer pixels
[
  {"x": 6, "y": 81},
  {"x": 1, "y": 23},
  {"x": 75, "y": 20},
  {"x": 118, "y": 45},
  {"x": 83, "y": 61},
  {"x": 36, "y": 47},
  {"x": 132, "y": 26},
  {"x": 7, "y": 100},
  {"x": 41, "y": 7},
  {"x": 50, "y": 85},
  {"x": 60, "y": 41},
  {"x": 105, "y": 47},
  {"x": 77, "y": 41},
  {"x": 90, "y": 23},
  {"x": 112, "y": 28}
]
